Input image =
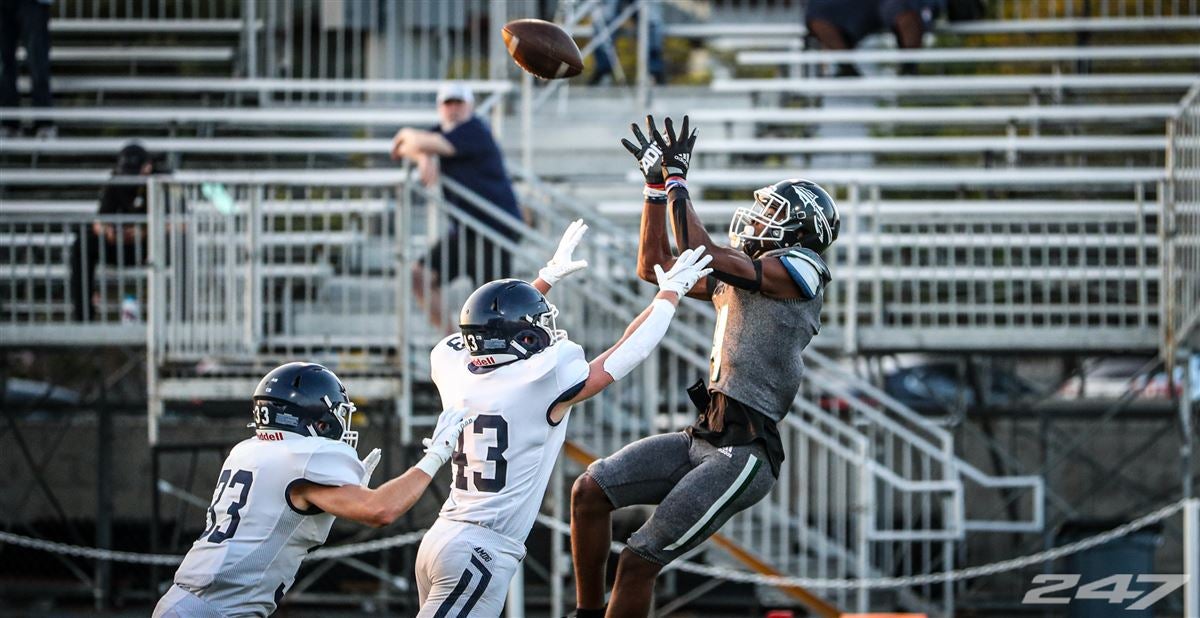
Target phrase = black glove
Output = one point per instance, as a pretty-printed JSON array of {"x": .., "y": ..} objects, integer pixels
[
  {"x": 676, "y": 151},
  {"x": 647, "y": 153}
]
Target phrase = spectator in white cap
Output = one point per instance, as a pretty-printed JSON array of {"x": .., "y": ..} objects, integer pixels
[{"x": 461, "y": 146}]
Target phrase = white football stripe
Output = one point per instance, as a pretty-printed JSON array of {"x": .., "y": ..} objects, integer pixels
[
  {"x": 513, "y": 43},
  {"x": 715, "y": 509},
  {"x": 562, "y": 70}
]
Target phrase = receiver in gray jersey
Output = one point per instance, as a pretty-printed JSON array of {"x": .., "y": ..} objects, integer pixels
[{"x": 767, "y": 288}]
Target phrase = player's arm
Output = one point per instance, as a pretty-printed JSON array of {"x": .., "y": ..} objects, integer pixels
[
  {"x": 729, "y": 265},
  {"x": 561, "y": 264},
  {"x": 410, "y": 143},
  {"x": 373, "y": 507},
  {"x": 381, "y": 506},
  {"x": 653, "y": 247},
  {"x": 643, "y": 334}
]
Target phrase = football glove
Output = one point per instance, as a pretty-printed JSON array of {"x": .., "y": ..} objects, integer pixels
[
  {"x": 689, "y": 268},
  {"x": 562, "y": 265},
  {"x": 676, "y": 150},
  {"x": 445, "y": 436},
  {"x": 369, "y": 464},
  {"x": 647, "y": 153}
]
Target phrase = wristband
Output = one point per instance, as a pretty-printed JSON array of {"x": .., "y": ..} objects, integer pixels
[
  {"x": 430, "y": 464},
  {"x": 676, "y": 182},
  {"x": 655, "y": 193}
]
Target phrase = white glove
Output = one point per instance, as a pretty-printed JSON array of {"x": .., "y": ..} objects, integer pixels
[
  {"x": 562, "y": 264},
  {"x": 445, "y": 437},
  {"x": 369, "y": 463},
  {"x": 688, "y": 269}
]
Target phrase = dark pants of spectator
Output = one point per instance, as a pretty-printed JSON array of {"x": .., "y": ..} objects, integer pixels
[
  {"x": 466, "y": 252},
  {"x": 88, "y": 251},
  {"x": 27, "y": 20},
  {"x": 654, "y": 52}
]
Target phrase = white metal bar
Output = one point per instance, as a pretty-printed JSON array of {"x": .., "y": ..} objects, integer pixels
[
  {"x": 958, "y": 84},
  {"x": 974, "y": 54},
  {"x": 937, "y": 115},
  {"x": 183, "y": 115},
  {"x": 148, "y": 54},
  {"x": 157, "y": 26},
  {"x": 259, "y": 85}
]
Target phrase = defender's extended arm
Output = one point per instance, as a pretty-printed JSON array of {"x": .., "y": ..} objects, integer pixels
[
  {"x": 644, "y": 333},
  {"x": 381, "y": 506}
]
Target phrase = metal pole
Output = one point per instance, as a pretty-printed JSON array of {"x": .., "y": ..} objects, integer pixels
[
  {"x": 850, "y": 310},
  {"x": 1185, "y": 425},
  {"x": 104, "y": 463},
  {"x": 866, "y": 519},
  {"x": 497, "y": 61},
  {"x": 249, "y": 38},
  {"x": 404, "y": 287},
  {"x": 643, "y": 58},
  {"x": 557, "y": 568},
  {"x": 516, "y": 594},
  {"x": 1191, "y": 557},
  {"x": 155, "y": 296},
  {"x": 527, "y": 122},
  {"x": 252, "y": 320},
  {"x": 154, "y": 515}
]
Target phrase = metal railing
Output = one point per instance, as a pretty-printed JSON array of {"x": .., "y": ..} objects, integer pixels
[
  {"x": 962, "y": 275},
  {"x": 147, "y": 9},
  {"x": 1181, "y": 230},
  {"x": 249, "y": 270}
]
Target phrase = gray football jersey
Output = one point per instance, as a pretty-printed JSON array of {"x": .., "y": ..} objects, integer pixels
[
  {"x": 255, "y": 539},
  {"x": 757, "y": 342}
]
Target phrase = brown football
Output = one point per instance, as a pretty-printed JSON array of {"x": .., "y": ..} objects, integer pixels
[{"x": 543, "y": 48}]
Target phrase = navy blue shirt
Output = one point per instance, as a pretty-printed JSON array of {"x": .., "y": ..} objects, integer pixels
[{"x": 477, "y": 165}]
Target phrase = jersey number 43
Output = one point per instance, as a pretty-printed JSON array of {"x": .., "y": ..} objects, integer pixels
[{"x": 495, "y": 454}]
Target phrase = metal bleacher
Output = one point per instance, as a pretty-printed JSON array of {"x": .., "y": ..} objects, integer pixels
[{"x": 1017, "y": 207}]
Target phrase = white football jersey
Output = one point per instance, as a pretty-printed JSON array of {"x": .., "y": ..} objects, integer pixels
[
  {"x": 255, "y": 539},
  {"x": 504, "y": 459}
]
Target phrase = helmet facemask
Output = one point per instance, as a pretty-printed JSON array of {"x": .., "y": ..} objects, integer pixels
[
  {"x": 767, "y": 221},
  {"x": 343, "y": 411}
]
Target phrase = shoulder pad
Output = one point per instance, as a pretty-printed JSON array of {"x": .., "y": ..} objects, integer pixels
[
  {"x": 807, "y": 269},
  {"x": 333, "y": 463}
]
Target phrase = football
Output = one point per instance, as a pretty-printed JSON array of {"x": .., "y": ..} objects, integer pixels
[{"x": 542, "y": 48}]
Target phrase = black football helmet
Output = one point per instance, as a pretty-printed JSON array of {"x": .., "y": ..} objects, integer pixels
[
  {"x": 788, "y": 213},
  {"x": 507, "y": 320},
  {"x": 304, "y": 398}
]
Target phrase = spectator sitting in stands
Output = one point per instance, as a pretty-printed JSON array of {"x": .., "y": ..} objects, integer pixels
[
  {"x": 115, "y": 244},
  {"x": 28, "y": 20},
  {"x": 842, "y": 24},
  {"x": 462, "y": 146}
]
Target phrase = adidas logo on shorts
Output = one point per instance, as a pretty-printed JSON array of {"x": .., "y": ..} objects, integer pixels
[
  {"x": 482, "y": 553},
  {"x": 726, "y": 451}
]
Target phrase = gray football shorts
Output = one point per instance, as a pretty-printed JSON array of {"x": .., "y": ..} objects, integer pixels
[{"x": 696, "y": 486}]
